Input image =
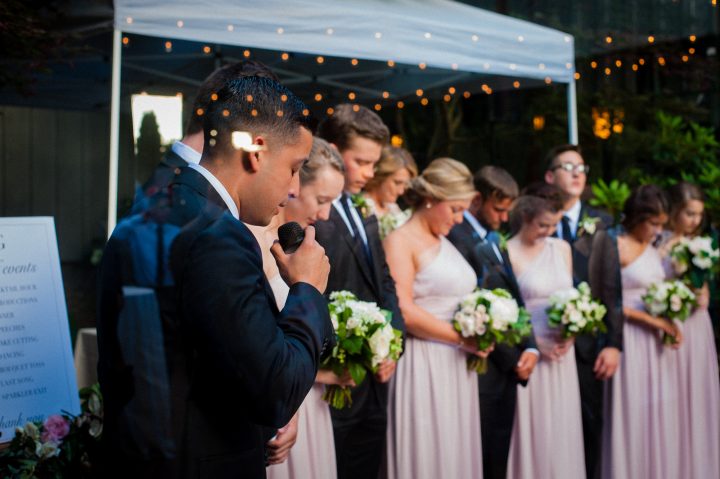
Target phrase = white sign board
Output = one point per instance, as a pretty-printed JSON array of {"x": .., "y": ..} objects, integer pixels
[{"x": 37, "y": 377}]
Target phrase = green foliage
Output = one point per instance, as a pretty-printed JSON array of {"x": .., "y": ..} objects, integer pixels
[{"x": 610, "y": 196}]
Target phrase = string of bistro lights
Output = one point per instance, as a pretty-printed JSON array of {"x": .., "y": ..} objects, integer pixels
[{"x": 451, "y": 92}]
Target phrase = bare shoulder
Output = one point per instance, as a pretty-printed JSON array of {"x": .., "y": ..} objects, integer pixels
[{"x": 560, "y": 244}]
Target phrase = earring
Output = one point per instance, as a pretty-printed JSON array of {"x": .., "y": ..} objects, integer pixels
[{"x": 428, "y": 206}]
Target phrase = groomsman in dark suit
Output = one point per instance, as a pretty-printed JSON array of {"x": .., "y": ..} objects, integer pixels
[
  {"x": 477, "y": 240},
  {"x": 238, "y": 368},
  {"x": 352, "y": 242},
  {"x": 189, "y": 149},
  {"x": 595, "y": 261}
]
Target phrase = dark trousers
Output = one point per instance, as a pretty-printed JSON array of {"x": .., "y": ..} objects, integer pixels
[
  {"x": 591, "y": 399},
  {"x": 498, "y": 395},
  {"x": 360, "y": 444}
]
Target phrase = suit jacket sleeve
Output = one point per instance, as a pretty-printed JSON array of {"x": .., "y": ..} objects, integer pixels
[
  {"x": 604, "y": 271},
  {"x": 268, "y": 358}
]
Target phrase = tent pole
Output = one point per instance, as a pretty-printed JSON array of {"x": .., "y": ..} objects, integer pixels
[
  {"x": 572, "y": 113},
  {"x": 114, "y": 132}
]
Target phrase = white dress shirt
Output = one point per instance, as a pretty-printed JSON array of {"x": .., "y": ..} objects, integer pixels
[
  {"x": 222, "y": 191},
  {"x": 355, "y": 217},
  {"x": 190, "y": 155},
  {"x": 573, "y": 216}
]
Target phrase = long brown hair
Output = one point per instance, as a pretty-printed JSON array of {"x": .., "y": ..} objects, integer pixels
[{"x": 680, "y": 194}]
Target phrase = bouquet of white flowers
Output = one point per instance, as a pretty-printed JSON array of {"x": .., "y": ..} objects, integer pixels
[
  {"x": 671, "y": 300},
  {"x": 364, "y": 339},
  {"x": 695, "y": 259},
  {"x": 491, "y": 316},
  {"x": 392, "y": 220},
  {"x": 576, "y": 312}
]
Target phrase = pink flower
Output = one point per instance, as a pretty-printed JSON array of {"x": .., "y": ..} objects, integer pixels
[{"x": 55, "y": 429}]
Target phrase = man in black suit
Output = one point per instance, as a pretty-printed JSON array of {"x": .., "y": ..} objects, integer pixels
[
  {"x": 237, "y": 367},
  {"x": 476, "y": 239},
  {"x": 189, "y": 149},
  {"x": 352, "y": 242},
  {"x": 595, "y": 261}
]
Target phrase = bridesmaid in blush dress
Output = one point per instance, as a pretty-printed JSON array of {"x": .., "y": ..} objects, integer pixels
[
  {"x": 547, "y": 440},
  {"x": 698, "y": 382},
  {"x": 313, "y": 452},
  {"x": 434, "y": 414},
  {"x": 641, "y": 438}
]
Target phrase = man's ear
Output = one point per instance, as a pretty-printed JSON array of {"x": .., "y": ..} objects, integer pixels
[
  {"x": 549, "y": 177},
  {"x": 253, "y": 159}
]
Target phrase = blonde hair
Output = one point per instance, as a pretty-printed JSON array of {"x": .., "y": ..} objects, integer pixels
[
  {"x": 444, "y": 179},
  {"x": 322, "y": 155},
  {"x": 393, "y": 159}
]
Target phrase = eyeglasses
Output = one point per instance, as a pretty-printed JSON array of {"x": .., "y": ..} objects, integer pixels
[{"x": 573, "y": 168}]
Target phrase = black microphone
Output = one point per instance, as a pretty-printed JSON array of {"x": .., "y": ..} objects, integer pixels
[{"x": 290, "y": 236}]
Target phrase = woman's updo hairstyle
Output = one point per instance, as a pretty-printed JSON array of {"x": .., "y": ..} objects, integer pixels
[
  {"x": 645, "y": 202},
  {"x": 393, "y": 159},
  {"x": 535, "y": 199},
  {"x": 679, "y": 195},
  {"x": 322, "y": 155},
  {"x": 444, "y": 179}
]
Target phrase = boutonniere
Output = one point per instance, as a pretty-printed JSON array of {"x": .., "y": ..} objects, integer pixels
[
  {"x": 587, "y": 225},
  {"x": 361, "y": 203},
  {"x": 502, "y": 241}
]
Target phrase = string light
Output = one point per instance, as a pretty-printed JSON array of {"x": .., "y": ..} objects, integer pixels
[
  {"x": 318, "y": 97},
  {"x": 246, "y": 53},
  {"x": 593, "y": 64},
  {"x": 320, "y": 60},
  {"x": 391, "y": 63},
  {"x": 401, "y": 105},
  {"x": 280, "y": 113},
  {"x": 607, "y": 71},
  {"x": 330, "y": 111},
  {"x": 516, "y": 84},
  {"x": 206, "y": 49},
  {"x": 125, "y": 40},
  {"x": 306, "y": 112},
  {"x": 618, "y": 63},
  {"x": 521, "y": 38},
  {"x": 651, "y": 39},
  {"x": 254, "y": 112},
  {"x": 249, "y": 98},
  {"x": 634, "y": 67},
  {"x": 447, "y": 97},
  {"x": 283, "y": 98},
  {"x": 661, "y": 61},
  {"x": 351, "y": 95},
  {"x": 419, "y": 92},
  {"x": 378, "y": 107},
  {"x": 356, "y": 108},
  {"x": 280, "y": 30},
  {"x": 226, "y": 113},
  {"x": 168, "y": 46},
  {"x": 693, "y": 38},
  {"x": 378, "y": 35},
  {"x": 541, "y": 66},
  {"x": 427, "y": 35},
  {"x": 475, "y": 38},
  {"x": 691, "y": 51},
  {"x": 608, "y": 39},
  {"x": 230, "y": 28},
  {"x": 386, "y": 94},
  {"x": 422, "y": 66},
  {"x": 329, "y": 31},
  {"x": 466, "y": 94},
  {"x": 214, "y": 96},
  {"x": 451, "y": 90},
  {"x": 424, "y": 102},
  {"x": 454, "y": 66},
  {"x": 199, "y": 112},
  {"x": 685, "y": 58},
  {"x": 354, "y": 62},
  {"x": 641, "y": 61},
  {"x": 513, "y": 66},
  {"x": 548, "y": 80},
  {"x": 180, "y": 23},
  {"x": 129, "y": 20},
  {"x": 577, "y": 75}
]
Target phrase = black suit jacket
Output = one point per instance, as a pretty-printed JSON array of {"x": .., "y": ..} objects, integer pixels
[
  {"x": 249, "y": 365},
  {"x": 350, "y": 271},
  {"x": 491, "y": 273}
]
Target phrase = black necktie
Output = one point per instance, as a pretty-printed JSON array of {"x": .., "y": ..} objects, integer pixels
[
  {"x": 566, "y": 233},
  {"x": 345, "y": 202}
]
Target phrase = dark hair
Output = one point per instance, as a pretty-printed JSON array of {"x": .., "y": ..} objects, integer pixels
[
  {"x": 535, "y": 199},
  {"x": 679, "y": 195},
  {"x": 259, "y": 106},
  {"x": 496, "y": 183},
  {"x": 215, "y": 82},
  {"x": 350, "y": 121},
  {"x": 644, "y": 202},
  {"x": 392, "y": 159},
  {"x": 322, "y": 155},
  {"x": 556, "y": 151}
]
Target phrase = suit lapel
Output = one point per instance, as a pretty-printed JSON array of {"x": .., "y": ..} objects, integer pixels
[
  {"x": 197, "y": 182},
  {"x": 355, "y": 247},
  {"x": 372, "y": 231}
]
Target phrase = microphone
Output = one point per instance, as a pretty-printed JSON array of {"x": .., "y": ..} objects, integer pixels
[{"x": 290, "y": 236}]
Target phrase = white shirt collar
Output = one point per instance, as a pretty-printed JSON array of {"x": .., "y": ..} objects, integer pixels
[
  {"x": 475, "y": 224},
  {"x": 573, "y": 215},
  {"x": 218, "y": 187},
  {"x": 190, "y": 155},
  {"x": 355, "y": 217}
]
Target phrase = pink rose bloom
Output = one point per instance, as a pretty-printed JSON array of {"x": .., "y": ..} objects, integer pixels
[{"x": 55, "y": 429}]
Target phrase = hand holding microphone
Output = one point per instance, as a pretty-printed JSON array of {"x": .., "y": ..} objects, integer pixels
[{"x": 299, "y": 257}]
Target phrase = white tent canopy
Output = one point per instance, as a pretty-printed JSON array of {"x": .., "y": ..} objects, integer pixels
[{"x": 434, "y": 33}]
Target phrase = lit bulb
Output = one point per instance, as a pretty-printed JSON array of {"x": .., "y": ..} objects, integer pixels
[{"x": 242, "y": 140}]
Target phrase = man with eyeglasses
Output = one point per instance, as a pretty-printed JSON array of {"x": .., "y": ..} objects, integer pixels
[{"x": 595, "y": 261}]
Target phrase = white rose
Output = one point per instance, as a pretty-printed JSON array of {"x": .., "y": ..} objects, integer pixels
[
  {"x": 334, "y": 321},
  {"x": 680, "y": 267},
  {"x": 590, "y": 227},
  {"x": 380, "y": 344},
  {"x": 575, "y": 316},
  {"x": 504, "y": 312},
  {"x": 46, "y": 450},
  {"x": 700, "y": 243},
  {"x": 467, "y": 324},
  {"x": 675, "y": 303},
  {"x": 702, "y": 263}
]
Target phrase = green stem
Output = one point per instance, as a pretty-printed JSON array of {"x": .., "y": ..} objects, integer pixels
[{"x": 479, "y": 365}]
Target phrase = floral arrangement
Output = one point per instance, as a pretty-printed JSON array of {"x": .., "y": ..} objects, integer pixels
[
  {"x": 365, "y": 338},
  {"x": 575, "y": 312},
  {"x": 392, "y": 220},
  {"x": 587, "y": 225},
  {"x": 695, "y": 260},
  {"x": 491, "y": 316},
  {"x": 61, "y": 446},
  {"x": 361, "y": 203},
  {"x": 672, "y": 300}
]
